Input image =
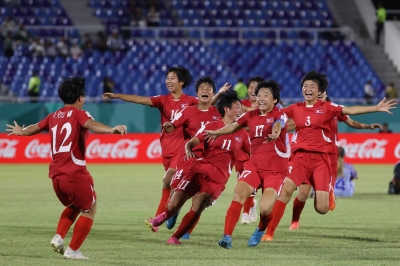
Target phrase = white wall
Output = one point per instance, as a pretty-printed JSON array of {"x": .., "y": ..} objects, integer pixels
[
  {"x": 368, "y": 14},
  {"x": 392, "y": 42}
]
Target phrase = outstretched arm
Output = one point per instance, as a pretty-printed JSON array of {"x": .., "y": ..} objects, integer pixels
[
  {"x": 358, "y": 125},
  {"x": 291, "y": 125},
  {"x": 228, "y": 129},
  {"x": 276, "y": 131},
  {"x": 132, "y": 98},
  {"x": 20, "y": 131},
  {"x": 223, "y": 89},
  {"x": 382, "y": 106},
  {"x": 100, "y": 128}
]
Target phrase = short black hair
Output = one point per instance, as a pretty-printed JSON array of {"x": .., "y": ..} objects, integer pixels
[
  {"x": 183, "y": 75},
  {"x": 273, "y": 86},
  {"x": 226, "y": 99},
  {"x": 71, "y": 88},
  {"x": 256, "y": 79},
  {"x": 319, "y": 78},
  {"x": 205, "y": 79}
]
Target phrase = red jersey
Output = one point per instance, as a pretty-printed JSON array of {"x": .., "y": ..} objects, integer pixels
[
  {"x": 220, "y": 152},
  {"x": 313, "y": 125},
  {"x": 168, "y": 107},
  {"x": 68, "y": 137},
  {"x": 334, "y": 132},
  {"x": 192, "y": 120},
  {"x": 267, "y": 156},
  {"x": 247, "y": 103}
]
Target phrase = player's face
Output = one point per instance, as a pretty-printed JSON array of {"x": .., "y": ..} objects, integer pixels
[
  {"x": 172, "y": 82},
  {"x": 265, "y": 100},
  {"x": 234, "y": 112},
  {"x": 205, "y": 93},
  {"x": 310, "y": 90},
  {"x": 240, "y": 110},
  {"x": 322, "y": 96},
  {"x": 251, "y": 91}
]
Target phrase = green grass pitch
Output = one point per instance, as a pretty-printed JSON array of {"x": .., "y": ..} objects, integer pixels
[{"x": 363, "y": 230}]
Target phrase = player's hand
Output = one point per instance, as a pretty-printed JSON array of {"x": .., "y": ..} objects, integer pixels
[
  {"x": 109, "y": 95},
  {"x": 120, "y": 129},
  {"x": 386, "y": 106},
  {"x": 375, "y": 126},
  {"x": 14, "y": 129},
  {"x": 210, "y": 135},
  {"x": 273, "y": 136},
  {"x": 189, "y": 155},
  {"x": 224, "y": 88},
  {"x": 167, "y": 125}
]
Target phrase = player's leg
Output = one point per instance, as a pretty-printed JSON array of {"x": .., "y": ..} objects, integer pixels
[
  {"x": 165, "y": 193},
  {"x": 298, "y": 205},
  {"x": 334, "y": 170},
  {"x": 322, "y": 179}
]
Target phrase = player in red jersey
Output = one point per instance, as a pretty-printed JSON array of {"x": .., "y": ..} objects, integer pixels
[
  {"x": 72, "y": 182},
  {"x": 177, "y": 78},
  {"x": 309, "y": 162},
  {"x": 205, "y": 177},
  {"x": 251, "y": 102},
  {"x": 192, "y": 119},
  {"x": 267, "y": 166},
  {"x": 304, "y": 189}
]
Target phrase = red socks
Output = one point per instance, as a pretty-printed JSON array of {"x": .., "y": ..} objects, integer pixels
[
  {"x": 278, "y": 211},
  {"x": 188, "y": 222},
  {"x": 298, "y": 207},
  {"x": 81, "y": 230},
  {"x": 68, "y": 217},
  {"x": 264, "y": 221},
  {"x": 248, "y": 204},
  {"x": 163, "y": 200},
  {"x": 194, "y": 225},
  {"x": 232, "y": 217}
]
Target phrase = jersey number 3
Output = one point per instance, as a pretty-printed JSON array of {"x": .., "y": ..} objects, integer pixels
[
  {"x": 64, "y": 147},
  {"x": 308, "y": 121}
]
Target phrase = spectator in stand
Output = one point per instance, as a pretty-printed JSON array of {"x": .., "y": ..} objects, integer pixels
[
  {"x": 101, "y": 42},
  {"x": 385, "y": 128},
  {"x": 75, "y": 51},
  {"x": 22, "y": 36},
  {"x": 394, "y": 185},
  {"x": 115, "y": 42},
  {"x": 369, "y": 92},
  {"x": 8, "y": 25},
  {"x": 153, "y": 16},
  {"x": 241, "y": 89},
  {"x": 137, "y": 18},
  {"x": 33, "y": 86},
  {"x": 50, "y": 49},
  {"x": 390, "y": 92},
  {"x": 108, "y": 86},
  {"x": 380, "y": 21},
  {"x": 62, "y": 47},
  {"x": 8, "y": 45},
  {"x": 87, "y": 43},
  {"x": 37, "y": 47}
]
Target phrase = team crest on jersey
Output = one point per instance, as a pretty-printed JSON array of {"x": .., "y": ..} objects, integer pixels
[
  {"x": 238, "y": 139},
  {"x": 269, "y": 120},
  {"x": 215, "y": 117},
  {"x": 183, "y": 105},
  {"x": 319, "y": 111}
]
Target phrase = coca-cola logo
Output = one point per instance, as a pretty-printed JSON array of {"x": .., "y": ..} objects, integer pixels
[
  {"x": 7, "y": 148},
  {"x": 397, "y": 151},
  {"x": 35, "y": 149},
  {"x": 154, "y": 150},
  {"x": 370, "y": 148},
  {"x": 122, "y": 149}
]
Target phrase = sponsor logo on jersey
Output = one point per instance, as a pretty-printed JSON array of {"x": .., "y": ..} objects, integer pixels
[{"x": 320, "y": 111}]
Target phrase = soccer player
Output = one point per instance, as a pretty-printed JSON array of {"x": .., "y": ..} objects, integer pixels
[
  {"x": 72, "y": 182},
  {"x": 251, "y": 102},
  {"x": 177, "y": 78},
  {"x": 192, "y": 119},
  {"x": 205, "y": 177},
  {"x": 309, "y": 162},
  {"x": 304, "y": 189},
  {"x": 344, "y": 186},
  {"x": 267, "y": 166}
]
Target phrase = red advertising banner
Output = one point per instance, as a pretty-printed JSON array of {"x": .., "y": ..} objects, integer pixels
[{"x": 145, "y": 148}]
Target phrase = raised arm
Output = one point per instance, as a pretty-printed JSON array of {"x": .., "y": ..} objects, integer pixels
[
  {"x": 100, "y": 128},
  {"x": 228, "y": 129},
  {"x": 132, "y": 98},
  {"x": 26, "y": 131},
  {"x": 189, "y": 146},
  {"x": 358, "y": 125},
  {"x": 382, "y": 106},
  {"x": 223, "y": 89}
]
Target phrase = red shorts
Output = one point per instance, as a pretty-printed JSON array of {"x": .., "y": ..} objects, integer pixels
[
  {"x": 261, "y": 179},
  {"x": 80, "y": 193},
  {"x": 239, "y": 166},
  {"x": 170, "y": 162},
  {"x": 182, "y": 169},
  {"x": 334, "y": 167},
  {"x": 310, "y": 168},
  {"x": 198, "y": 183}
]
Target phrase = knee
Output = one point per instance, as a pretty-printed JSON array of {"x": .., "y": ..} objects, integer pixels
[
  {"x": 240, "y": 197},
  {"x": 322, "y": 209},
  {"x": 265, "y": 208},
  {"x": 302, "y": 197}
]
